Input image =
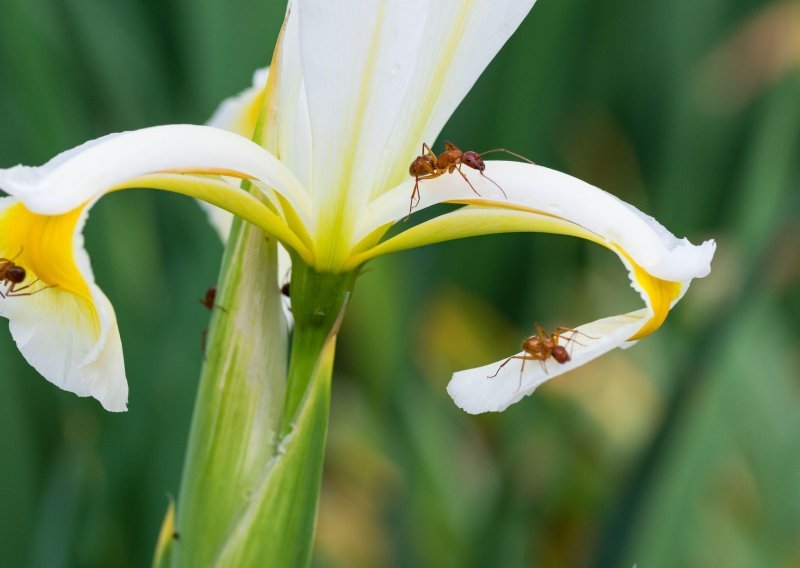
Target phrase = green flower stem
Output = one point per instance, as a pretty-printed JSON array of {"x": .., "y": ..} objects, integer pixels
[
  {"x": 277, "y": 527},
  {"x": 234, "y": 432},
  {"x": 253, "y": 469},
  {"x": 318, "y": 301}
]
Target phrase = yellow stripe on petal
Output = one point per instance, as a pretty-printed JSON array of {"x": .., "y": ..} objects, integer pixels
[
  {"x": 475, "y": 220},
  {"x": 252, "y": 112},
  {"x": 45, "y": 247},
  {"x": 660, "y": 295},
  {"x": 237, "y": 201}
]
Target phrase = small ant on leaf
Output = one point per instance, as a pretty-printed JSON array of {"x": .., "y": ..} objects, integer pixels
[
  {"x": 542, "y": 346},
  {"x": 429, "y": 166},
  {"x": 13, "y": 274}
]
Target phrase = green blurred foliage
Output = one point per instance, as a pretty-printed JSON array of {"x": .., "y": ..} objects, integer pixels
[{"x": 684, "y": 451}]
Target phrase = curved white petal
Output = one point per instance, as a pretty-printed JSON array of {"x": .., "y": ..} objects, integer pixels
[
  {"x": 550, "y": 193},
  {"x": 476, "y": 391},
  {"x": 381, "y": 78},
  {"x": 69, "y": 336},
  {"x": 538, "y": 199},
  {"x": 79, "y": 175}
]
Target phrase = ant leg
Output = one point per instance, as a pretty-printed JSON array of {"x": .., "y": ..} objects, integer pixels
[
  {"x": 497, "y": 185},
  {"x": 521, "y": 371},
  {"x": 506, "y": 362},
  {"x": 12, "y": 288},
  {"x": 427, "y": 150},
  {"x": 466, "y": 179},
  {"x": 521, "y": 157},
  {"x": 411, "y": 204},
  {"x": 16, "y": 293},
  {"x": 575, "y": 331}
]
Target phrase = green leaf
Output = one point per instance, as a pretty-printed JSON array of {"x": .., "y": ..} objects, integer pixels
[{"x": 166, "y": 536}]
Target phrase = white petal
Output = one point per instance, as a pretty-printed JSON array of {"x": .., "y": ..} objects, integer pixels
[
  {"x": 287, "y": 129},
  {"x": 83, "y": 173},
  {"x": 474, "y": 391},
  {"x": 552, "y": 193},
  {"x": 71, "y": 341},
  {"x": 383, "y": 77}
]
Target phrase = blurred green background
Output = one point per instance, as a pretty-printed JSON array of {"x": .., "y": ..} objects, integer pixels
[{"x": 684, "y": 451}]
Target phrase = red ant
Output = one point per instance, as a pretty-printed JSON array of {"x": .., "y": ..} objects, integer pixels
[
  {"x": 208, "y": 301},
  {"x": 13, "y": 274},
  {"x": 542, "y": 346},
  {"x": 429, "y": 166},
  {"x": 209, "y": 298}
]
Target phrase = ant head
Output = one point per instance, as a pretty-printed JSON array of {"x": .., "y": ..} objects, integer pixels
[
  {"x": 473, "y": 160},
  {"x": 560, "y": 353},
  {"x": 15, "y": 274}
]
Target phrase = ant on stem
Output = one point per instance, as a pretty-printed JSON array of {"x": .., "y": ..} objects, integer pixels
[
  {"x": 209, "y": 302},
  {"x": 429, "y": 166},
  {"x": 541, "y": 346},
  {"x": 12, "y": 274}
]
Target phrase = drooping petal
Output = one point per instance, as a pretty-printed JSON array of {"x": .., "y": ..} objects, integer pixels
[
  {"x": 538, "y": 199},
  {"x": 381, "y": 77},
  {"x": 62, "y": 322},
  {"x": 553, "y": 197},
  {"x": 79, "y": 175},
  {"x": 493, "y": 389}
]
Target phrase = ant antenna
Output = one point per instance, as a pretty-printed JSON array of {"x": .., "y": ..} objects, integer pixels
[
  {"x": 503, "y": 191},
  {"x": 507, "y": 151}
]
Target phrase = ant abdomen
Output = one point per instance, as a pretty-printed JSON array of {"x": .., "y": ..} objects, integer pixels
[
  {"x": 560, "y": 353},
  {"x": 15, "y": 274}
]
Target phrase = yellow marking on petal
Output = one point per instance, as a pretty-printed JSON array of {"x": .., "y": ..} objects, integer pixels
[
  {"x": 661, "y": 293},
  {"x": 210, "y": 171},
  {"x": 237, "y": 201},
  {"x": 485, "y": 220},
  {"x": 334, "y": 223},
  {"x": 247, "y": 122},
  {"x": 46, "y": 243},
  {"x": 471, "y": 222},
  {"x": 266, "y": 133}
]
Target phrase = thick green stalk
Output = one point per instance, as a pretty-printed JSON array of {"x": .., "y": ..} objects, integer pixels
[
  {"x": 254, "y": 464},
  {"x": 278, "y": 527},
  {"x": 234, "y": 433},
  {"x": 318, "y": 302}
]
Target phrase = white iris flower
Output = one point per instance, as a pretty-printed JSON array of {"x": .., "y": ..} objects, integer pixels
[{"x": 354, "y": 90}]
